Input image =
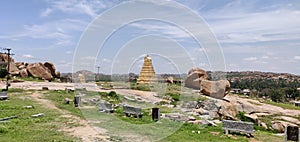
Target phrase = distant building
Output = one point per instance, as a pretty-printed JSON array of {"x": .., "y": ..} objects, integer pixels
[
  {"x": 147, "y": 74},
  {"x": 236, "y": 91},
  {"x": 246, "y": 92},
  {"x": 297, "y": 103}
]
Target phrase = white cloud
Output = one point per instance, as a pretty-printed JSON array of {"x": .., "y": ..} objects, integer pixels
[
  {"x": 265, "y": 57},
  {"x": 244, "y": 23},
  {"x": 61, "y": 31},
  {"x": 88, "y": 58},
  {"x": 69, "y": 52},
  {"x": 91, "y": 8},
  {"x": 162, "y": 28},
  {"x": 28, "y": 56},
  {"x": 202, "y": 65},
  {"x": 250, "y": 59},
  {"x": 297, "y": 57},
  {"x": 46, "y": 12},
  {"x": 106, "y": 60}
]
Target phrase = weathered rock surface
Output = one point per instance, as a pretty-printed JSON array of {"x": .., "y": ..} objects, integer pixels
[
  {"x": 278, "y": 126},
  {"x": 216, "y": 89},
  {"x": 13, "y": 70},
  {"x": 228, "y": 110},
  {"x": 40, "y": 71},
  {"x": 4, "y": 58},
  {"x": 57, "y": 74},
  {"x": 195, "y": 75},
  {"x": 170, "y": 80},
  {"x": 51, "y": 68},
  {"x": 18, "y": 64},
  {"x": 23, "y": 73}
]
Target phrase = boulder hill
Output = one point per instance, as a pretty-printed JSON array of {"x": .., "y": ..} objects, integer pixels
[{"x": 46, "y": 71}]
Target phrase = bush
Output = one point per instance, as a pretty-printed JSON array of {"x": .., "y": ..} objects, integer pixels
[
  {"x": 242, "y": 117},
  {"x": 174, "y": 96},
  {"x": 3, "y": 72},
  {"x": 113, "y": 94}
]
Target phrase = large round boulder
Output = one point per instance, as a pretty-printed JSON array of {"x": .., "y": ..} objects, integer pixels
[
  {"x": 195, "y": 75},
  {"x": 23, "y": 73},
  {"x": 216, "y": 89},
  {"x": 51, "y": 68},
  {"x": 40, "y": 71}
]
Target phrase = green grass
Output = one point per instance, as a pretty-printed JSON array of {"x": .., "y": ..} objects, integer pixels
[
  {"x": 57, "y": 97},
  {"x": 27, "y": 129},
  {"x": 185, "y": 134},
  {"x": 285, "y": 106},
  {"x": 35, "y": 79}
]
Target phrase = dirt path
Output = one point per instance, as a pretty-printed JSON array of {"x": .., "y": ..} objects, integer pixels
[{"x": 84, "y": 131}]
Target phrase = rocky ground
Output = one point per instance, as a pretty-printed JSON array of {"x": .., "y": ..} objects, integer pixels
[{"x": 210, "y": 110}]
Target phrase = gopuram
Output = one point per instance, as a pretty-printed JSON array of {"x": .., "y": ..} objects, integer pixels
[{"x": 147, "y": 74}]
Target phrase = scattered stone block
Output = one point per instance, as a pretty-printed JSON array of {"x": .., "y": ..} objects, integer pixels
[
  {"x": 37, "y": 115},
  {"x": 291, "y": 133},
  {"x": 67, "y": 100},
  {"x": 130, "y": 110},
  {"x": 155, "y": 114},
  {"x": 28, "y": 107},
  {"x": 238, "y": 126},
  {"x": 45, "y": 88},
  {"x": 77, "y": 101},
  {"x": 105, "y": 107},
  {"x": 8, "y": 118},
  {"x": 3, "y": 96}
]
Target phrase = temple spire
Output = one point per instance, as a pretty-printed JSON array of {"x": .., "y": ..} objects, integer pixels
[{"x": 147, "y": 74}]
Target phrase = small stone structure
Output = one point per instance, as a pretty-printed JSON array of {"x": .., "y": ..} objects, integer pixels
[
  {"x": 297, "y": 104},
  {"x": 105, "y": 107},
  {"x": 155, "y": 114},
  {"x": 238, "y": 126},
  {"x": 130, "y": 110},
  {"x": 147, "y": 74},
  {"x": 77, "y": 100},
  {"x": 45, "y": 88},
  {"x": 37, "y": 115},
  {"x": 291, "y": 133},
  {"x": 3, "y": 96}
]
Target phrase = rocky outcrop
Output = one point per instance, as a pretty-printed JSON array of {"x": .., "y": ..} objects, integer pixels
[
  {"x": 44, "y": 71},
  {"x": 57, "y": 74},
  {"x": 170, "y": 80},
  {"x": 216, "y": 89},
  {"x": 195, "y": 75},
  {"x": 198, "y": 79},
  {"x": 23, "y": 73},
  {"x": 40, "y": 71},
  {"x": 51, "y": 68},
  {"x": 4, "y": 58},
  {"x": 13, "y": 70},
  {"x": 278, "y": 126}
]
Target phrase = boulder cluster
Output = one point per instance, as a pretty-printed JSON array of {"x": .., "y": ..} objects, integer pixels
[
  {"x": 236, "y": 108},
  {"x": 199, "y": 79},
  {"x": 46, "y": 71}
]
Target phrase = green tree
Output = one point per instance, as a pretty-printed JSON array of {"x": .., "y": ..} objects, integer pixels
[{"x": 3, "y": 72}]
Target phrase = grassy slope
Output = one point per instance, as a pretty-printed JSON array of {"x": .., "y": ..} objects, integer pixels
[{"x": 27, "y": 129}]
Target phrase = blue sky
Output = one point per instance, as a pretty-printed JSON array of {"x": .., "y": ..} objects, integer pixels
[{"x": 253, "y": 35}]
